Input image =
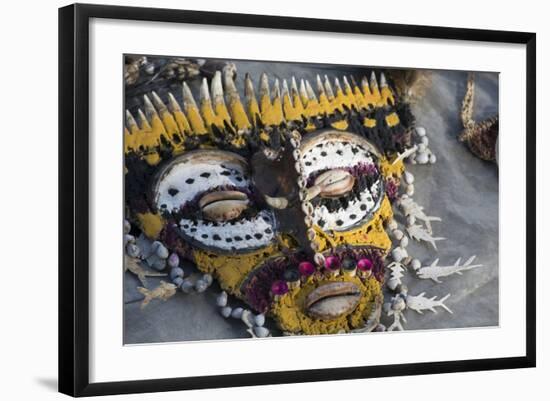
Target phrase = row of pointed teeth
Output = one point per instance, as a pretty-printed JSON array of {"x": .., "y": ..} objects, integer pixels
[{"x": 215, "y": 94}]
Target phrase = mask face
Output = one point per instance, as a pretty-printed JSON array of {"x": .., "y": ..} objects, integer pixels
[{"x": 283, "y": 201}]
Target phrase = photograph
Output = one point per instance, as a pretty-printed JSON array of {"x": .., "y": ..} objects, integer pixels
[{"x": 266, "y": 199}]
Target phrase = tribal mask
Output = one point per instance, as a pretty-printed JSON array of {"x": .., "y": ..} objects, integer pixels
[{"x": 281, "y": 196}]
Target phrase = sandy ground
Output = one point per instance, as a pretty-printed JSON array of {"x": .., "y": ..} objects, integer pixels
[{"x": 459, "y": 188}]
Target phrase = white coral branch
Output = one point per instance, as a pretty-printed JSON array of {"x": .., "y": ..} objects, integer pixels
[
  {"x": 417, "y": 233},
  {"x": 420, "y": 303},
  {"x": 434, "y": 272}
]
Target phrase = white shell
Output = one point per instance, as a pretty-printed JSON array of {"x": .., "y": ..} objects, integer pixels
[
  {"x": 422, "y": 148},
  {"x": 411, "y": 219},
  {"x": 127, "y": 227},
  {"x": 248, "y": 318},
  {"x": 162, "y": 252},
  {"x": 129, "y": 239},
  {"x": 410, "y": 190},
  {"x": 261, "y": 331},
  {"x": 409, "y": 178},
  {"x": 415, "y": 264},
  {"x": 237, "y": 313},
  {"x": 433, "y": 159},
  {"x": 398, "y": 304},
  {"x": 397, "y": 234},
  {"x": 259, "y": 320},
  {"x": 425, "y": 140},
  {"x": 422, "y": 158},
  {"x": 398, "y": 254},
  {"x": 226, "y": 311},
  {"x": 420, "y": 131},
  {"x": 392, "y": 224},
  {"x": 392, "y": 285},
  {"x": 132, "y": 250},
  {"x": 186, "y": 286},
  {"x": 201, "y": 285},
  {"x": 208, "y": 279},
  {"x": 159, "y": 264},
  {"x": 404, "y": 241},
  {"x": 221, "y": 299}
]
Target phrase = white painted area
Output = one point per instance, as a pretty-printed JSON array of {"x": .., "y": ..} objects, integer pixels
[
  {"x": 262, "y": 225},
  {"x": 187, "y": 180},
  {"x": 332, "y": 159},
  {"x": 368, "y": 198}
]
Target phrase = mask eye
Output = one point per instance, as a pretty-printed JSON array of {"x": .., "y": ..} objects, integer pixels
[
  {"x": 210, "y": 195},
  {"x": 343, "y": 179}
]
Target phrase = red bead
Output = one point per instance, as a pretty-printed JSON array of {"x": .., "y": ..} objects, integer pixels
[
  {"x": 306, "y": 268},
  {"x": 364, "y": 264},
  {"x": 332, "y": 262},
  {"x": 279, "y": 287}
]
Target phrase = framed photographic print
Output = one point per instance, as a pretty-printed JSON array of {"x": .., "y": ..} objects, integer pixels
[{"x": 295, "y": 199}]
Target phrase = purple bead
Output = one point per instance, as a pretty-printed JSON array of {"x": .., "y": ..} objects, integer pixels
[
  {"x": 306, "y": 268},
  {"x": 332, "y": 262},
  {"x": 279, "y": 287},
  {"x": 364, "y": 264},
  {"x": 173, "y": 260}
]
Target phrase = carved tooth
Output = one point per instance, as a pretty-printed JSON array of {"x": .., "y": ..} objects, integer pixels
[
  {"x": 383, "y": 82},
  {"x": 310, "y": 92},
  {"x": 320, "y": 87},
  {"x": 328, "y": 88},
  {"x": 293, "y": 86},
  {"x": 264, "y": 86},
  {"x": 365, "y": 86},
  {"x": 249, "y": 88},
  {"x": 286, "y": 92},
  {"x": 236, "y": 107},
  {"x": 149, "y": 108},
  {"x": 173, "y": 103},
  {"x": 373, "y": 82},
  {"x": 337, "y": 86},
  {"x": 131, "y": 122},
  {"x": 347, "y": 87},
  {"x": 303, "y": 92},
  {"x": 217, "y": 89},
  {"x": 204, "y": 93},
  {"x": 144, "y": 123},
  {"x": 188, "y": 99},
  {"x": 159, "y": 104},
  {"x": 276, "y": 89}
]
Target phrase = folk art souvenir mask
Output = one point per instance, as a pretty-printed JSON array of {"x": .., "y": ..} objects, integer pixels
[{"x": 283, "y": 194}]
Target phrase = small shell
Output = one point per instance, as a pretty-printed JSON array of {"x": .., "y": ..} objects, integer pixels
[
  {"x": 398, "y": 254},
  {"x": 208, "y": 279},
  {"x": 397, "y": 234},
  {"x": 404, "y": 242},
  {"x": 422, "y": 158},
  {"x": 398, "y": 304},
  {"x": 422, "y": 148},
  {"x": 425, "y": 140},
  {"x": 132, "y": 250},
  {"x": 392, "y": 225},
  {"x": 186, "y": 286},
  {"x": 334, "y": 183},
  {"x": 177, "y": 281},
  {"x": 159, "y": 264},
  {"x": 259, "y": 320},
  {"x": 221, "y": 300},
  {"x": 411, "y": 220},
  {"x": 174, "y": 260},
  {"x": 415, "y": 264},
  {"x": 162, "y": 252},
  {"x": 127, "y": 227},
  {"x": 409, "y": 178},
  {"x": 176, "y": 272},
  {"x": 433, "y": 159},
  {"x": 248, "y": 318},
  {"x": 237, "y": 313},
  {"x": 420, "y": 131},
  {"x": 261, "y": 331},
  {"x": 226, "y": 311},
  {"x": 410, "y": 190},
  {"x": 223, "y": 205},
  {"x": 200, "y": 286},
  {"x": 129, "y": 239},
  {"x": 392, "y": 284}
]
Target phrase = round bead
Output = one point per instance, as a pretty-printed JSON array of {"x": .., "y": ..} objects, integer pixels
[
  {"x": 291, "y": 275},
  {"x": 279, "y": 287},
  {"x": 364, "y": 264},
  {"x": 173, "y": 260},
  {"x": 306, "y": 268},
  {"x": 349, "y": 264},
  {"x": 332, "y": 262}
]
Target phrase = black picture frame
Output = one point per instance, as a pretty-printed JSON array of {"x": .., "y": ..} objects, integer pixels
[{"x": 74, "y": 198}]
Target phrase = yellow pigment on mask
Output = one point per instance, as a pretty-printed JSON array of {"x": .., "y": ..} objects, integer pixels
[{"x": 290, "y": 315}]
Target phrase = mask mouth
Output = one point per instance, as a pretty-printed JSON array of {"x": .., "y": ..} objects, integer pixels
[{"x": 332, "y": 300}]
